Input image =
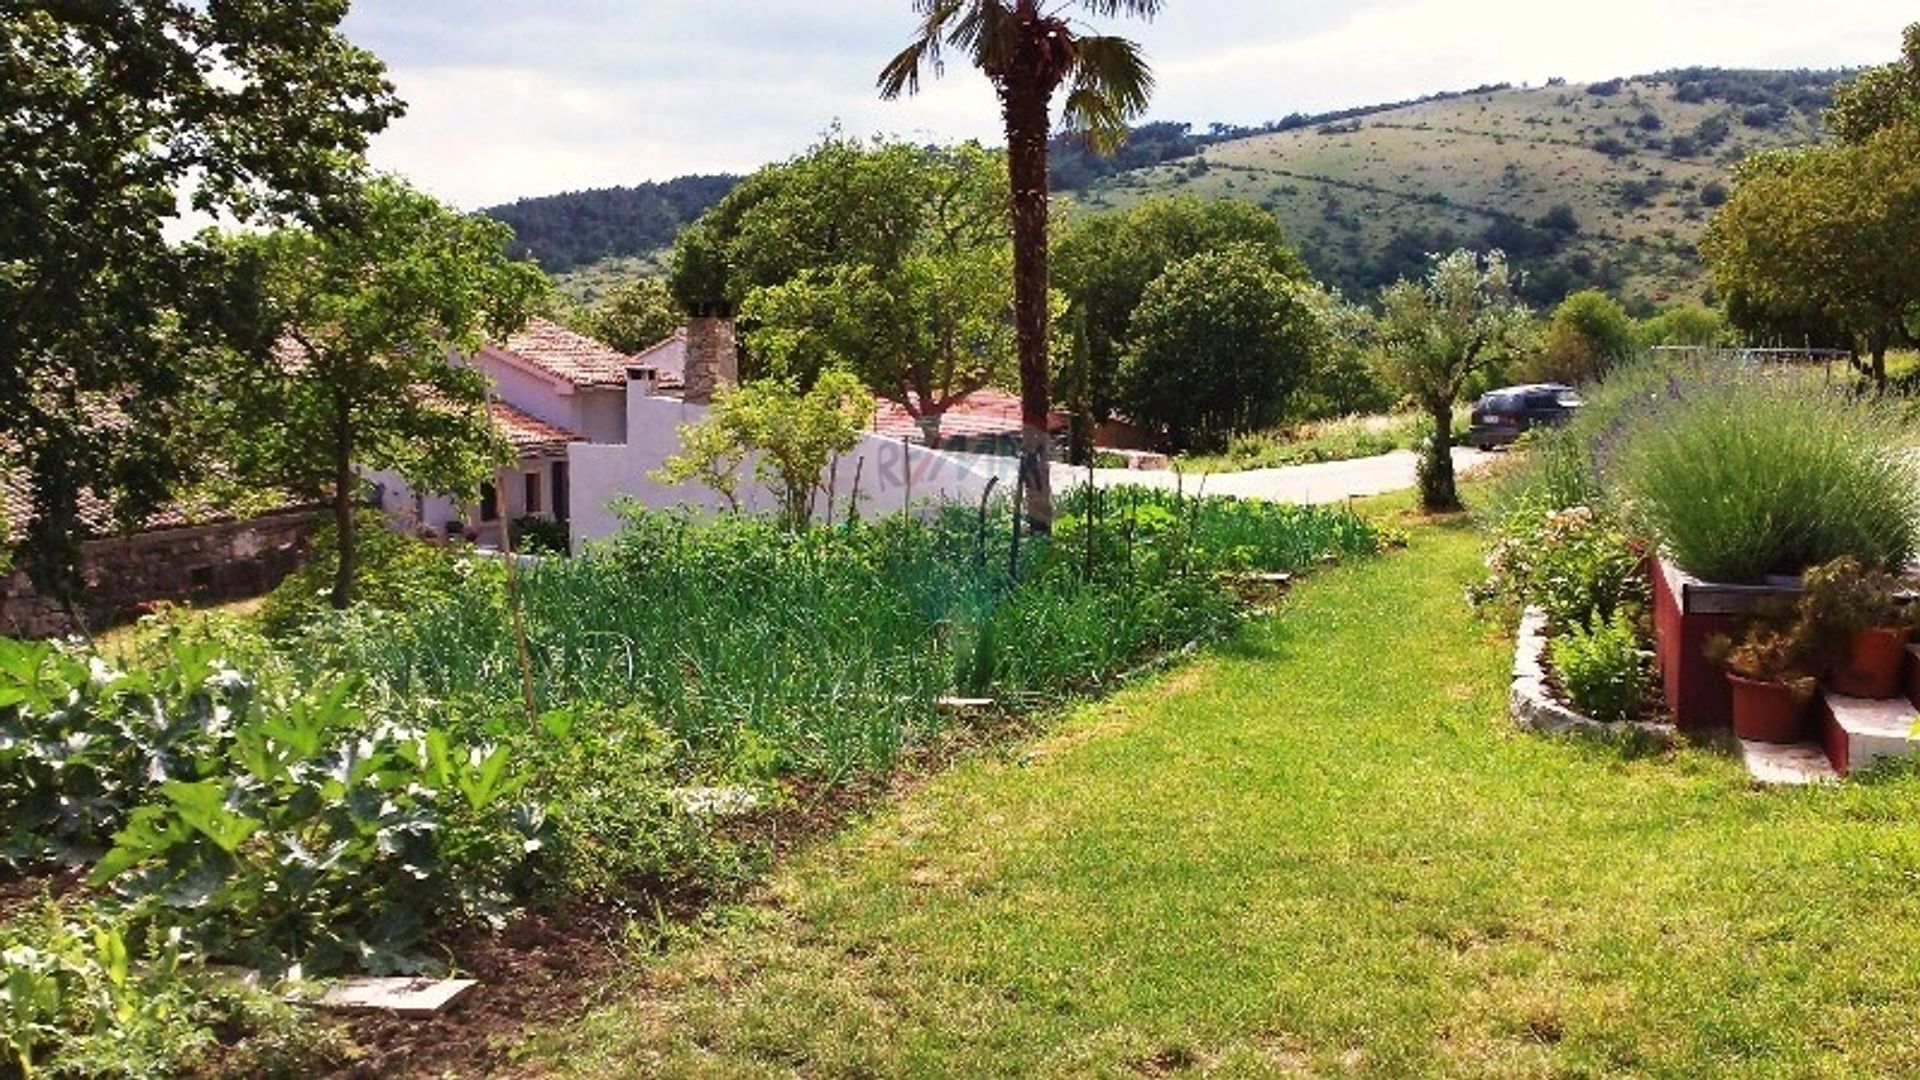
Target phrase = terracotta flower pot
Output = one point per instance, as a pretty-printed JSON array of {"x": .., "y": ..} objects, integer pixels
[
  {"x": 1767, "y": 711},
  {"x": 1870, "y": 668}
]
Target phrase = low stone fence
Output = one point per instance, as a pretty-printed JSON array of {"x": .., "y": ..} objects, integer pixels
[
  {"x": 228, "y": 560},
  {"x": 1532, "y": 702}
]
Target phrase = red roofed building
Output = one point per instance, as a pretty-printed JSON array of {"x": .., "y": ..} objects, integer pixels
[{"x": 986, "y": 421}]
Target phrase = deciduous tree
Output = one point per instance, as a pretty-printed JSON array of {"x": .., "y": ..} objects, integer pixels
[
  {"x": 793, "y": 435},
  {"x": 639, "y": 314},
  {"x": 1827, "y": 232},
  {"x": 1106, "y": 261},
  {"x": 1436, "y": 333},
  {"x": 885, "y": 259},
  {"x": 1028, "y": 51},
  {"x": 369, "y": 311},
  {"x": 1880, "y": 97},
  {"x": 1220, "y": 341},
  {"x": 1588, "y": 333},
  {"x": 112, "y": 115}
]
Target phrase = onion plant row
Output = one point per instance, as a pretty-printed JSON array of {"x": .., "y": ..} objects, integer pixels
[{"x": 825, "y": 652}]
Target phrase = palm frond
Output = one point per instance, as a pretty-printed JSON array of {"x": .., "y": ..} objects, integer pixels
[
  {"x": 902, "y": 73},
  {"x": 1139, "y": 9},
  {"x": 1110, "y": 85},
  {"x": 986, "y": 33}
]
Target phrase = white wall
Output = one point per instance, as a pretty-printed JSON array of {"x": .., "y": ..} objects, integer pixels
[
  {"x": 600, "y": 414},
  {"x": 890, "y": 475},
  {"x": 553, "y": 402}
]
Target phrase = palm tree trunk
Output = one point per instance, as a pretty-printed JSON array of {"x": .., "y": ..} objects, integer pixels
[{"x": 1024, "y": 106}]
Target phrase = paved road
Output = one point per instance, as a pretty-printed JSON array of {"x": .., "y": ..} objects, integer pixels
[{"x": 1325, "y": 482}]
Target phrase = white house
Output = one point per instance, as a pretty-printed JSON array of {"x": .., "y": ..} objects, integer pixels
[{"x": 590, "y": 425}]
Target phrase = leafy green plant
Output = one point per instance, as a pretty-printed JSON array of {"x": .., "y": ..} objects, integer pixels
[
  {"x": 1575, "y": 564},
  {"x": 1605, "y": 670},
  {"x": 791, "y": 435},
  {"x": 327, "y": 841},
  {"x": 1777, "y": 645},
  {"x": 82, "y": 997},
  {"x": 1756, "y": 475},
  {"x": 607, "y": 778},
  {"x": 1842, "y": 597},
  {"x": 540, "y": 536},
  {"x": 83, "y": 742},
  {"x": 391, "y": 571}
]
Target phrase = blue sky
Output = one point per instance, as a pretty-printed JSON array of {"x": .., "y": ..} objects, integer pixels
[{"x": 509, "y": 98}]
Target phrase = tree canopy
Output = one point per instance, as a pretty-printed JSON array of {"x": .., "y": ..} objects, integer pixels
[
  {"x": 367, "y": 312},
  {"x": 1881, "y": 97},
  {"x": 111, "y": 116},
  {"x": 633, "y": 317},
  {"x": 1105, "y": 263},
  {"x": 1436, "y": 333},
  {"x": 883, "y": 258},
  {"x": 792, "y": 435},
  {"x": 1588, "y": 333},
  {"x": 1219, "y": 343},
  {"x": 1826, "y": 232}
]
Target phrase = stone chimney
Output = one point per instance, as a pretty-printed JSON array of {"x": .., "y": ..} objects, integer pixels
[{"x": 711, "y": 358}]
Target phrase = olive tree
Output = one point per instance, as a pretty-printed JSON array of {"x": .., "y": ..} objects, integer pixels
[{"x": 1437, "y": 333}]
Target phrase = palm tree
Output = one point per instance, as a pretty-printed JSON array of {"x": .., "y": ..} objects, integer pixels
[{"x": 1029, "y": 51}]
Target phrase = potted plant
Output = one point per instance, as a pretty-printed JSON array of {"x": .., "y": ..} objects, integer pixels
[
  {"x": 1770, "y": 672},
  {"x": 1863, "y": 623}
]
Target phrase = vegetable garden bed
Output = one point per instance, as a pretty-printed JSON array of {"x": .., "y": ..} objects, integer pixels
[{"x": 388, "y": 788}]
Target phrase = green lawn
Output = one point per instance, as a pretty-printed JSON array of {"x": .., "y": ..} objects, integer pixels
[{"x": 1320, "y": 849}]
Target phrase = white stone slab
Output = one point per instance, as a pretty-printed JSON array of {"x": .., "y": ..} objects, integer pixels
[
  {"x": 716, "y": 801},
  {"x": 965, "y": 704},
  {"x": 406, "y": 996},
  {"x": 1787, "y": 763},
  {"x": 1875, "y": 729}
]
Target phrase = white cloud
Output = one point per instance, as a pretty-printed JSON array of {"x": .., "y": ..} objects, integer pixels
[{"x": 511, "y": 99}]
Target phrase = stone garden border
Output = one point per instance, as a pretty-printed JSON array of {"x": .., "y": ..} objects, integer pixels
[{"x": 1533, "y": 706}]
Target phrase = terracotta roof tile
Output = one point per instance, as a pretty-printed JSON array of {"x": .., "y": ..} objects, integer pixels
[
  {"x": 982, "y": 414},
  {"x": 530, "y": 435},
  {"x": 568, "y": 355}
]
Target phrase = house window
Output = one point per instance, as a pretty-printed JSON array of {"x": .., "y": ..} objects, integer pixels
[
  {"x": 489, "y": 503},
  {"x": 531, "y": 504},
  {"x": 562, "y": 506}
]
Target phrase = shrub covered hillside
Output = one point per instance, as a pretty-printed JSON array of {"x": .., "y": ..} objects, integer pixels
[
  {"x": 363, "y": 790},
  {"x": 1606, "y": 185}
]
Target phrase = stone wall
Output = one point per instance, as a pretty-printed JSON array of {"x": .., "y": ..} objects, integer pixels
[{"x": 199, "y": 563}]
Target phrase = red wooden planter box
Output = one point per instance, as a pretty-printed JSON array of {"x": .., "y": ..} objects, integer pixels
[{"x": 1686, "y": 612}]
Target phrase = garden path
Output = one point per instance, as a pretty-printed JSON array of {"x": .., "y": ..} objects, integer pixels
[{"x": 1320, "y": 482}]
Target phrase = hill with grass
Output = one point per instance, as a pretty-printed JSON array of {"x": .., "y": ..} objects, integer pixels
[{"x": 1606, "y": 184}]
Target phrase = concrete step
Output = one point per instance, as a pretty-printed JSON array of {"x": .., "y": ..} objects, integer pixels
[
  {"x": 1858, "y": 731},
  {"x": 1787, "y": 763}
]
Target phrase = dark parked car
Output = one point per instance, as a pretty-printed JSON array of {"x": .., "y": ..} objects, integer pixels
[{"x": 1501, "y": 416}]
